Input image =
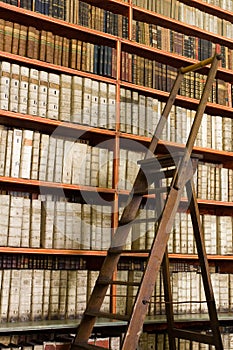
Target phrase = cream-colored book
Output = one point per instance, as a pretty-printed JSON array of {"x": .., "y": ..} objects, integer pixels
[
  {"x": 76, "y": 99},
  {"x": 94, "y": 167},
  {"x": 81, "y": 292},
  {"x": 13, "y": 310},
  {"x": 122, "y": 109},
  {"x": 141, "y": 116},
  {"x": 128, "y": 109},
  {"x": 33, "y": 95},
  {"x": 110, "y": 169},
  {"x": 14, "y": 88},
  {"x": 46, "y": 294},
  {"x": 59, "y": 225},
  {"x": 149, "y": 131},
  {"x": 35, "y": 223},
  {"x": 86, "y": 104},
  {"x": 71, "y": 294},
  {"x": 43, "y": 157},
  {"x": 94, "y": 111},
  {"x": 62, "y": 294},
  {"x": 47, "y": 222},
  {"x": 67, "y": 161},
  {"x": 103, "y": 167},
  {"x": 135, "y": 114},
  {"x": 37, "y": 294},
  {"x": 26, "y": 154},
  {"x": 69, "y": 225},
  {"x": 79, "y": 163},
  {"x": 77, "y": 225},
  {"x": 43, "y": 94},
  {"x": 97, "y": 222},
  {"x": 53, "y": 96},
  {"x": 35, "y": 155},
  {"x": 16, "y": 152},
  {"x": 25, "y": 295},
  {"x": 51, "y": 159},
  {"x": 5, "y": 216},
  {"x": 86, "y": 227},
  {"x": 65, "y": 98},
  {"x": 15, "y": 221},
  {"x": 3, "y": 148},
  {"x": 59, "y": 160},
  {"x": 5, "y": 293},
  {"x": 223, "y": 292},
  {"x": 103, "y": 107},
  {"x": 106, "y": 227},
  {"x": 26, "y": 223},
  {"x": 88, "y": 166},
  {"x": 111, "y": 124},
  {"x": 224, "y": 184},
  {"x": 23, "y": 90},
  {"x": 5, "y": 79}
]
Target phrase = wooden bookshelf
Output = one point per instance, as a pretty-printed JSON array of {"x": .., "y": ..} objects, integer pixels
[{"x": 217, "y": 208}]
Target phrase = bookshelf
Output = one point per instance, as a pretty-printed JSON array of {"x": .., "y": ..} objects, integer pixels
[{"x": 115, "y": 138}]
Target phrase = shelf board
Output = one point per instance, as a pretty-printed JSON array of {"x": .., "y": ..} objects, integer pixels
[
  {"x": 103, "y": 326},
  {"x": 114, "y": 6},
  {"x": 209, "y": 8}
]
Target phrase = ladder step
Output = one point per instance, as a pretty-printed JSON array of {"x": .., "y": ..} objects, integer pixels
[
  {"x": 119, "y": 283},
  {"x": 194, "y": 336},
  {"x": 163, "y": 161},
  {"x": 153, "y": 191},
  {"x": 87, "y": 346},
  {"x": 107, "y": 315}
]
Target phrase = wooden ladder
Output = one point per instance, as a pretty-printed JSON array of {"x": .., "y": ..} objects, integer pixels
[{"x": 181, "y": 166}]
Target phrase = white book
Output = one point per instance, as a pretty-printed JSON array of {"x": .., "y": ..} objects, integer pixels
[
  {"x": 135, "y": 114},
  {"x": 5, "y": 293},
  {"x": 14, "y": 88},
  {"x": 94, "y": 163},
  {"x": 3, "y": 148},
  {"x": 86, "y": 104},
  {"x": 110, "y": 169},
  {"x": 88, "y": 167},
  {"x": 93, "y": 221},
  {"x": 224, "y": 184},
  {"x": 26, "y": 223},
  {"x": 46, "y": 294},
  {"x": 8, "y": 153},
  {"x": 71, "y": 294},
  {"x": 111, "y": 106},
  {"x": 62, "y": 294},
  {"x": 122, "y": 109},
  {"x": 122, "y": 169},
  {"x": 33, "y": 92},
  {"x": 5, "y": 215},
  {"x": 37, "y": 294},
  {"x": 23, "y": 90},
  {"x": 141, "y": 116},
  {"x": 67, "y": 161},
  {"x": 76, "y": 99},
  {"x": 128, "y": 109},
  {"x": 25, "y": 295},
  {"x": 51, "y": 159},
  {"x": 5, "y": 78},
  {"x": 223, "y": 292},
  {"x": 53, "y": 96},
  {"x": 86, "y": 227},
  {"x": 15, "y": 221},
  {"x": 26, "y": 154},
  {"x": 35, "y": 155},
  {"x": 103, "y": 167},
  {"x": 94, "y": 112},
  {"x": 77, "y": 225},
  {"x": 16, "y": 152},
  {"x": 103, "y": 107},
  {"x": 47, "y": 222},
  {"x": 59, "y": 226},
  {"x": 35, "y": 223},
  {"x": 58, "y": 160},
  {"x": 65, "y": 98},
  {"x": 54, "y": 295},
  {"x": 69, "y": 225},
  {"x": 106, "y": 227},
  {"x": 79, "y": 163},
  {"x": 13, "y": 310},
  {"x": 43, "y": 94},
  {"x": 43, "y": 158},
  {"x": 149, "y": 131},
  {"x": 98, "y": 227},
  {"x": 81, "y": 292},
  {"x": 218, "y": 132}
]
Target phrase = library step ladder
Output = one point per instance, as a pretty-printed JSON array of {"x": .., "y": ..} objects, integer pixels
[{"x": 179, "y": 167}]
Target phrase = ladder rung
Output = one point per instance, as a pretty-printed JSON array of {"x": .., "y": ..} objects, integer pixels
[
  {"x": 152, "y": 191},
  {"x": 194, "y": 336},
  {"x": 79, "y": 346},
  {"x": 120, "y": 283},
  {"x": 107, "y": 315}
]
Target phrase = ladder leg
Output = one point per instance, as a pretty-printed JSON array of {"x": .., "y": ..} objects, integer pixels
[{"x": 198, "y": 233}]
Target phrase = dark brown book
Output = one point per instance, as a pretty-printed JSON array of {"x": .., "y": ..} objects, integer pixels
[
  {"x": 23, "y": 40},
  {"x": 59, "y": 62},
  {"x": 56, "y": 49},
  {"x": 31, "y": 42},
  {"x": 36, "y": 44},
  {"x": 8, "y": 36},
  {"x": 42, "y": 54},
  {"x": 15, "y": 41},
  {"x": 2, "y": 25},
  {"x": 73, "y": 55},
  {"x": 65, "y": 52},
  {"x": 79, "y": 55},
  {"x": 49, "y": 47}
]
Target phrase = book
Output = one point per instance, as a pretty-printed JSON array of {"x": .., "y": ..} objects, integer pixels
[
  {"x": 94, "y": 111},
  {"x": 111, "y": 106},
  {"x": 26, "y": 223},
  {"x": 35, "y": 155},
  {"x": 5, "y": 85},
  {"x": 33, "y": 92},
  {"x": 35, "y": 223},
  {"x": 23, "y": 90},
  {"x": 5, "y": 215},
  {"x": 76, "y": 99},
  {"x": 3, "y": 147},
  {"x": 16, "y": 152},
  {"x": 43, "y": 94},
  {"x": 47, "y": 223},
  {"x": 43, "y": 157},
  {"x": 15, "y": 221},
  {"x": 86, "y": 103},
  {"x": 59, "y": 225},
  {"x": 67, "y": 161},
  {"x": 26, "y": 154},
  {"x": 51, "y": 159},
  {"x": 53, "y": 96},
  {"x": 65, "y": 97},
  {"x": 103, "y": 105}
]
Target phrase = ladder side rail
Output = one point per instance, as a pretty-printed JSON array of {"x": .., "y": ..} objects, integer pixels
[{"x": 199, "y": 237}]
